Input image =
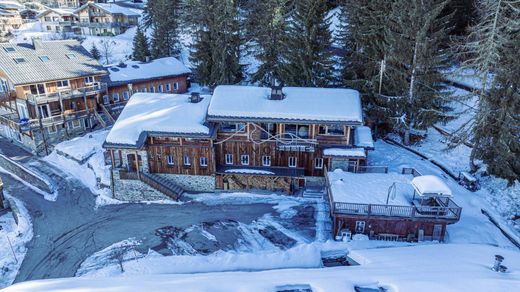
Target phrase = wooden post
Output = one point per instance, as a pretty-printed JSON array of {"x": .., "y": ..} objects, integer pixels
[
  {"x": 112, "y": 157},
  {"x": 137, "y": 165},
  {"x": 348, "y": 135}
]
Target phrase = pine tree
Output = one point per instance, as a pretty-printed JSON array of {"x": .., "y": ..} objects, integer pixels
[
  {"x": 217, "y": 41},
  {"x": 140, "y": 50},
  {"x": 95, "y": 52},
  {"x": 414, "y": 54},
  {"x": 163, "y": 17},
  {"x": 266, "y": 30},
  {"x": 485, "y": 53},
  {"x": 308, "y": 54},
  {"x": 494, "y": 49}
]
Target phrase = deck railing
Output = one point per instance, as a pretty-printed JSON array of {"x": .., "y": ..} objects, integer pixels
[{"x": 451, "y": 212}]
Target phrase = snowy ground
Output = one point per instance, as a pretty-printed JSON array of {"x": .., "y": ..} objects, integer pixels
[
  {"x": 503, "y": 199},
  {"x": 275, "y": 240},
  {"x": 13, "y": 238}
]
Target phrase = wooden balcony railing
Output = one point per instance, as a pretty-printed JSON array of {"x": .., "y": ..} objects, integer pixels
[{"x": 96, "y": 87}]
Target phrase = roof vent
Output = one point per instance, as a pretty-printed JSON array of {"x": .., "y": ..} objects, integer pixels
[
  {"x": 276, "y": 93},
  {"x": 195, "y": 97},
  {"x": 121, "y": 65}
]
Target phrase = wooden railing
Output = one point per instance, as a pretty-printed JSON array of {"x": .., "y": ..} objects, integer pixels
[
  {"x": 452, "y": 212},
  {"x": 107, "y": 113}
]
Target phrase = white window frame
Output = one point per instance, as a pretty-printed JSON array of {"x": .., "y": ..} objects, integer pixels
[
  {"x": 244, "y": 159},
  {"x": 106, "y": 99},
  {"x": 170, "y": 160},
  {"x": 126, "y": 95},
  {"x": 266, "y": 160},
  {"x": 115, "y": 96},
  {"x": 186, "y": 160},
  {"x": 160, "y": 88},
  {"x": 59, "y": 84},
  {"x": 175, "y": 86},
  {"x": 74, "y": 126},
  {"x": 144, "y": 89},
  {"x": 292, "y": 161},
  {"x": 203, "y": 161},
  {"x": 89, "y": 80},
  {"x": 54, "y": 129},
  {"x": 152, "y": 89},
  {"x": 318, "y": 163},
  {"x": 228, "y": 159},
  {"x": 168, "y": 87}
]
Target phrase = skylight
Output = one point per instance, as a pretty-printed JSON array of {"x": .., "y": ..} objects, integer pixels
[
  {"x": 45, "y": 58},
  {"x": 19, "y": 60},
  {"x": 71, "y": 56},
  {"x": 9, "y": 49}
]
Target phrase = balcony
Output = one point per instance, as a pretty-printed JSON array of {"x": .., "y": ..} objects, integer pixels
[
  {"x": 296, "y": 144},
  {"x": 103, "y": 24},
  {"x": 95, "y": 88}
]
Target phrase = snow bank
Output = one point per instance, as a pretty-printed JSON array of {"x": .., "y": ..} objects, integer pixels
[
  {"x": 302, "y": 256},
  {"x": 446, "y": 267},
  {"x": 16, "y": 236}
]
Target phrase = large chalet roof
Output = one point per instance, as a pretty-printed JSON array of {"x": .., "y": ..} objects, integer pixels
[
  {"x": 134, "y": 71},
  {"x": 159, "y": 114},
  {"x": 43, "y": 61},
  {"x": 60, "y": 11},
  {"x": 300, "y": 104},
  {"x": 111, "y": 8}
]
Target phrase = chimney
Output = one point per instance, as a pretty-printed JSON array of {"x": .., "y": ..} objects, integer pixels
[
  {"x": 37, "y": 43},
  {"x": 195, "y": 97},
  {"x": 276, "y": 93}
]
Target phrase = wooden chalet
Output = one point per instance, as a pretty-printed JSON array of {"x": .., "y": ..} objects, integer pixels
[
  {"x": 390, "y": 206},
  {"x": 164, "y": 75},
  {"x": 48, "y": 92},
  {"x": 278, "y": 139}
]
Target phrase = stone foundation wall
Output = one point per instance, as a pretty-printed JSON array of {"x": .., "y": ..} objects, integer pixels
[
  {"x": 315, "y": 181},
  {"x": 135, "y": 190},
  {"x": 192, "y": 183}
]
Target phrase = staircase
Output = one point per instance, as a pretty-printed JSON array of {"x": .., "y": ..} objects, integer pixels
[
  {"x": 162, "y": 185},
  {"x": 104, "y": 117}
]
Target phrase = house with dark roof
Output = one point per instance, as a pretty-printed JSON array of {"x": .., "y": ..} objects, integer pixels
[{"x": 49, "y": 91}]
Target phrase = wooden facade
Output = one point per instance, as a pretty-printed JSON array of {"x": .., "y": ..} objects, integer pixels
[{"x": 120, "y": 92}]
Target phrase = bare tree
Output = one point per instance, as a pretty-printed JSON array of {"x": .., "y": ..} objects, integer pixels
[{"x": 107, "y": 47}]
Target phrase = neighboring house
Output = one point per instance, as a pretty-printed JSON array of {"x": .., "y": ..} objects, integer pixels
[
  {"x": 59, "y": 20},
  {"x": 10, "y": 18},
  {"x": 106, "y": 18},
  {"x": 165, "y": 75},
  {"x": 75, "y": 3},
  {"x": 49, "y": 92}
]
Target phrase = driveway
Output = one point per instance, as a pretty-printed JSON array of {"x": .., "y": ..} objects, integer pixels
[{"x": 71, "y": 229}]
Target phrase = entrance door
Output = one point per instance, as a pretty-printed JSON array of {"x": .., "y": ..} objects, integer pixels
[
  {"x": 132, "y": 163},
  {"x": 22, "y": 111},
  {"x": 437, "y": 231},
  {"x": 44, "y": 111}
]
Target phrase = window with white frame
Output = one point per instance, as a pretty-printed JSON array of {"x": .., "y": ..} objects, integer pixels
[
  {"x": 168, "y": 87},
  {"x": 170, "y": 160},
  {"x": 318, "y": 163},
  {"x": 229, "y": 159},
  {"x": 292, "y": 161},
  {"x": 115, "y": 96},
  {"x": 52, "y": 129},
  {"x": 76, "y": 124},
  {"x": 232, "y": 127},
  {"x": 126, "y": 96},
  {"x": 143, "y": 89},
  {"x": 187, "y": 161},
  {"x": 62, "y": 83},
  {"x": 332, "y": 130},
  {"x": 244, "y": 159},
  {"x": 176, "y": 86},
  {"x": 161, "y": 88},
  {"x": 152, "y": 89},
  {"x": 266, "y": 160},
  {"x": 203, "y": 161},
  {"x": 89, "y": 80},
  {"x": 106, "y": 99}
]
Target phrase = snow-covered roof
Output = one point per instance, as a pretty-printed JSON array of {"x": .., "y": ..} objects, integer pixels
[
  {"x": 112, "y": 8},
  {"x": 300, "y": 104},
  {"x": 60, "y": 11},
  {"x": 363, "y": 137},
  {"x": 345, "y": 152},
  {"x": 430, "y": 185},
  {"x": 158, "y": 114},
  {"x": 136, "y": 70},
  {"x": 370, "y": 188}
]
